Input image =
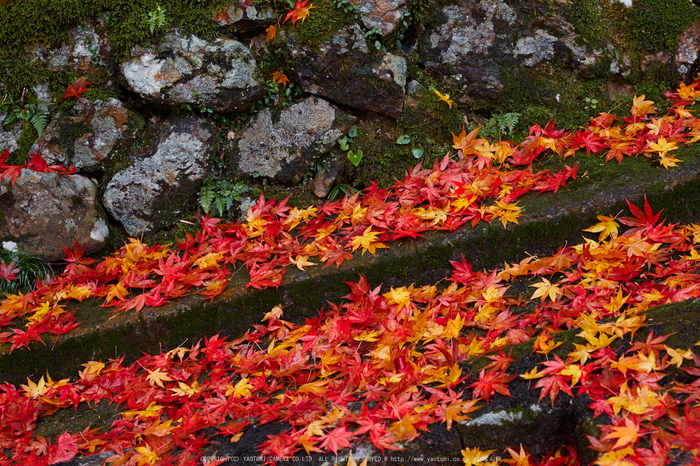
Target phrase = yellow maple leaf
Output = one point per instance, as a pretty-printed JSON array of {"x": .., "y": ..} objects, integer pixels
[
  {"x": 152, "y": 410},
  {"x": 617, "y": 458},
  {"x": 146, "y": 456},
  {"x": 677, "y": 356},
  {"x": 302, "y": 262},
  {"x": 606, "y": 227},
  {"x": 544, "y": 344},
  {"x": 444, "y": 97},
  {"x": 116, "y": 290},
  {"x": 518, "y": 458},
  {"x": 641, "y": 107},
  {"x": 210, "y": 259},
  {"x": 574, "y": 371},
  {"x": 508, "y": 213},
  {"x": 400, "y": 296},
  {"x": 533, "y": 374},
  {"x": 275, "y": 313},
  {"x": 157, "y": 377},
  {"x": 668, "y": 160},
  {"x": 241, "y": 390},
  {"x": 467, "y": 142},
  {"x": 546, "y": 289},
  {"x": 688, "y": 91},
  {"x": 475, "y": 456},
  {"x": 369, "y": 335},
  {"x": 187, "y": 390},
  {"x": 36, "y": 390},
  {"x": 368, "y": 241},
  {"x": 503, "y": 151},
  {"x": 662, "y": 146},
  {"x": 92, "y": 370}
]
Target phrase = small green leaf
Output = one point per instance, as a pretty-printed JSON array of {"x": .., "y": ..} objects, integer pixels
[
  {"x": 353, "y": 132},
  {"x": 417, "y": 152},
  {"x": 355, "y": 156},
  {"x": 403, "y": 139}
]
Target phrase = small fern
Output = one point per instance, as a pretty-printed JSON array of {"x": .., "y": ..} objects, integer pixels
[
  {"x": 502, "y": 123},
  {"x": 217, "y": 196},
  {"x": 207, "y": 194},
  {"x": 35, "y": 114},
  {"x": 156, "y": 18}
]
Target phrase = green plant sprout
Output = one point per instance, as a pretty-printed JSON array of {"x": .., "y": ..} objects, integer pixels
[
  {"x": 220, "y": 194},
  {"x": 156, "y": 18}
]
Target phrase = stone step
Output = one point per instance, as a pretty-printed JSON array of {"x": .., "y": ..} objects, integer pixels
[
  {"x": 549, "y": 221},
  {"x": 539, "y": 426}
]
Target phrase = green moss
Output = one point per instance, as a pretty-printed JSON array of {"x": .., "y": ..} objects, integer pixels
[
  {"x": 24, "y": 142},
  {"x": 599, "y": 22},
  {"x": 657, "y": 24},
  {"x": 323, "y": 22},
  {"x": 541, "y": 97}
]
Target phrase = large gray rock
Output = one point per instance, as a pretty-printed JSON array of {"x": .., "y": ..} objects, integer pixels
[
  {"x": 147, "y": 195},
  {"x": 87, "y": 135},
  {"x": 346, "y": 71},
  {"x": 283, "y": 148},
  {"x": 220, "y": 75},
  {"x": 46, "y": 212}
]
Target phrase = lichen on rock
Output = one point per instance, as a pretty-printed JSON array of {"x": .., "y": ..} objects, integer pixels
[
  {"x": 147, "y": 194},
  {"x": 221, "y": 75}
]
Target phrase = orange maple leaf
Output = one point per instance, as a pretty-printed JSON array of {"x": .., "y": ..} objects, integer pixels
[
  {"x": 300, "y": 12},
  {"x": 466, "y": 142},
  {"x": 280, "y": 78},
  {"x": 629, "y": 433},
  {"x": 271, "y": 33}
]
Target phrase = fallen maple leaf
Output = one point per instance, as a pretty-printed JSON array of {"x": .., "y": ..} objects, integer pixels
[
  {"x": 271, "y": 33},
  {"x": 300, "y": 12},
  {"x": 629, "y": 433},
  {"x": 280, "y": 78},
  {"x": 78, "y": 88},
  {"x": 444, "y": 97}
]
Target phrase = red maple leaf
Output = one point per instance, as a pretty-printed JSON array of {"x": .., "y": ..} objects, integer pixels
[
  {"x": 37, "y": 163},
  {"x": 490, "y": 383},
  {"x": 10, "y": 171},
  {"x": 7, "y": 272},
  {"x": 337, "y": 439},
  {"x": 77, "y": 264},
  {"x": 642, "y": 219},
  {"x": 77, "y": 89}
]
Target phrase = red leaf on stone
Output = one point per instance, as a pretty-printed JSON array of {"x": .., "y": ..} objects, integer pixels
[
  {"x": 11, "y": 171},
  {"x": 77, "y": 89}
]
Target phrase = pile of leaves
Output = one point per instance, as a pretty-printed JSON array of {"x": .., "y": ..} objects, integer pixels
[{"x": 402, "y": 351}]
